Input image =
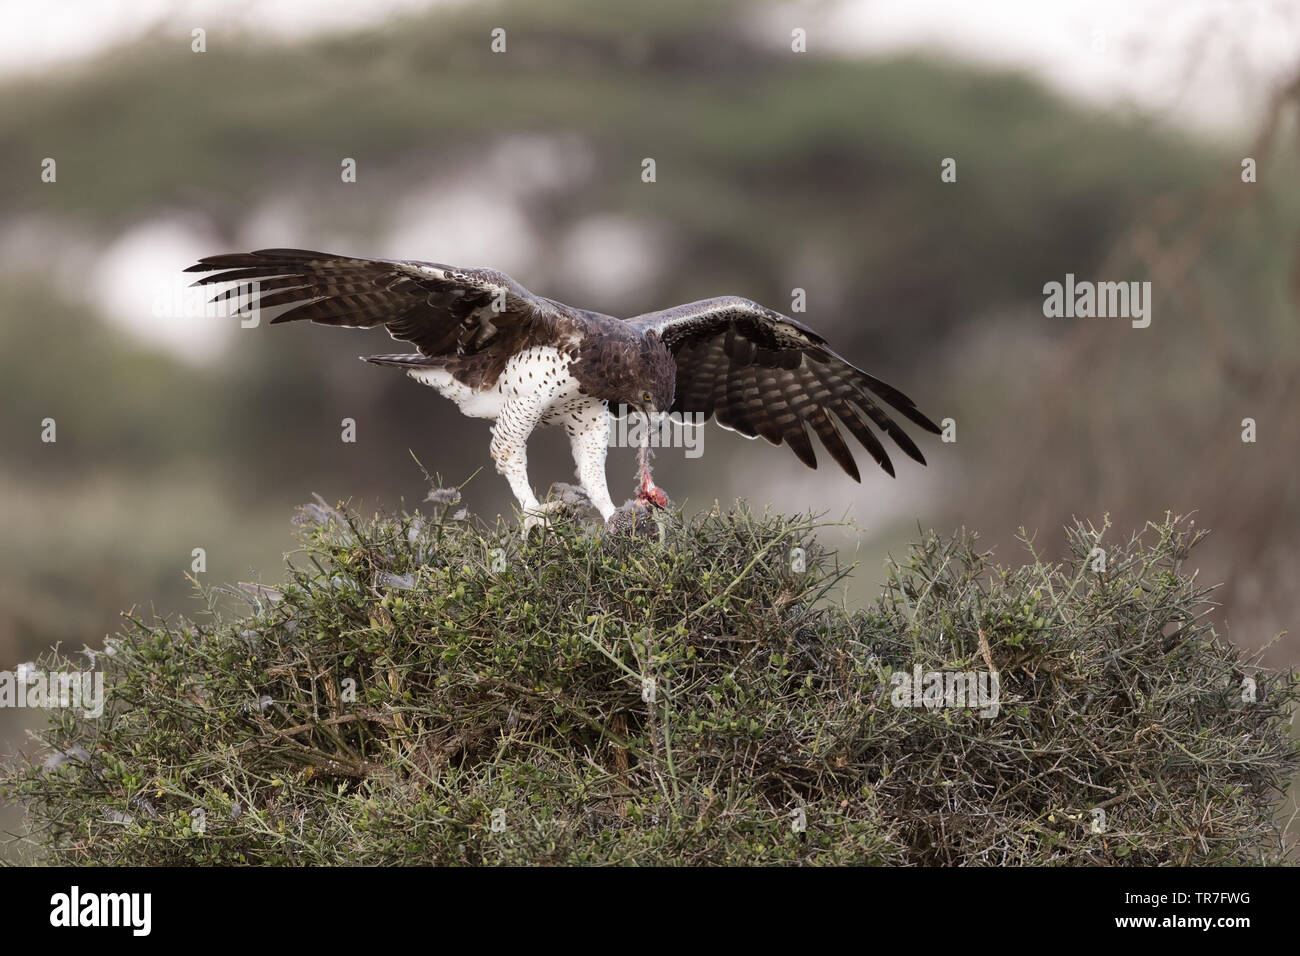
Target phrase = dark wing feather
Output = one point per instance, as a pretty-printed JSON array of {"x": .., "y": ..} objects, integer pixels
[
  {"x": 440, "y": 309},
  {"x": 758, "y": 372}
]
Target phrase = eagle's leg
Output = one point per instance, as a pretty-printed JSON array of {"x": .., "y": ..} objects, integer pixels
[
  {"x": 510, "y": 452},
  {"x": 589, "y": 439}
]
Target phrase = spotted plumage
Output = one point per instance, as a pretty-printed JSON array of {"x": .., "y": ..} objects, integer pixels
[{"x": 524, "y": 361}]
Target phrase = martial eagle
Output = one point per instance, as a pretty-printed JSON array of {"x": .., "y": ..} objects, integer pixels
[{"x": 500, "y": 352}]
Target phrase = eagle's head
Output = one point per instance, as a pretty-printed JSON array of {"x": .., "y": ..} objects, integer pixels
[{"x": 655, "y": 383}]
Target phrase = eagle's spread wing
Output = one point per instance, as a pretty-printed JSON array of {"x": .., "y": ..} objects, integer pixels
[
  {"x": 441, "y": 309},
  {"x": 762, "y": 373}
]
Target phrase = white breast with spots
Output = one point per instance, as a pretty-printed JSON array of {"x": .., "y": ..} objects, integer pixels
[{"x": 537, "y": 379}]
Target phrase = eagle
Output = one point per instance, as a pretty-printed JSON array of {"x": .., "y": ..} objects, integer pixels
[{"x": 522, "y": 360}]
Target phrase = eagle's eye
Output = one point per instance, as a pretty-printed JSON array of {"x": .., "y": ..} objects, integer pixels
[{"x": 647, "y": 397}]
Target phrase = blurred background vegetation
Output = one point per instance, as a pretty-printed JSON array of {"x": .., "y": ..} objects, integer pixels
[{"x": 775, "y": 170}]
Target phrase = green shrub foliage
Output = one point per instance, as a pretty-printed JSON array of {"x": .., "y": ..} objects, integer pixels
[{"x": 426, "y": 689}]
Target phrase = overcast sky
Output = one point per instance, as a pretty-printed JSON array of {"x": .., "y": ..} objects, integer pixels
[{"x": 1202, "y": 62}]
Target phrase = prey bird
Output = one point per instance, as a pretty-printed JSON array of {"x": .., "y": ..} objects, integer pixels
[{"x": 500, "y": 352}]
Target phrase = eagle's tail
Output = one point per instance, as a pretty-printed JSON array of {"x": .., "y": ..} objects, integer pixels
[{"x": 409, "y": 360}]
